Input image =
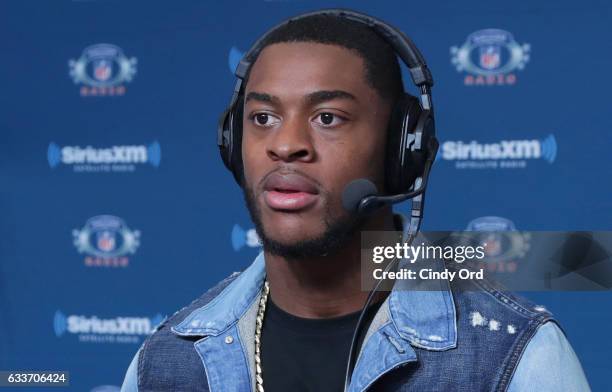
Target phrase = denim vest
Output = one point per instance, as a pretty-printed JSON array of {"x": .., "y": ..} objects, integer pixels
[{"x": 447, "y": 339}]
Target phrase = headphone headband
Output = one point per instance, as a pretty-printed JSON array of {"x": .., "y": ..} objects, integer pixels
[{"x": 403, "y": 46}]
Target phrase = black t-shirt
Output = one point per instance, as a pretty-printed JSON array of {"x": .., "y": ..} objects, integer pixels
[{"x": 306, "y": 355}]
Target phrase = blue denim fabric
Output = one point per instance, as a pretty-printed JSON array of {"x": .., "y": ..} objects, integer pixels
[
  {"x": 444, "y": 340},
  {"x": 549, "y": 364}
]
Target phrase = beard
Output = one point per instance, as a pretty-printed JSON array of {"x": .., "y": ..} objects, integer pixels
[{"x": 338, "y": 232}]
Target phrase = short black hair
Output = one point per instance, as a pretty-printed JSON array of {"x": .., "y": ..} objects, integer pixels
[{"x": 382, "y": 69}]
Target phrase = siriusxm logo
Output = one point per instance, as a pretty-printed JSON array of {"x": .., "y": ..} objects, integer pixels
[
  {"x": 92, "y": 328},
  {"x": 242, "y": 237},
  {"x": 505, "y": 154},
  {"x": 115, "y": 158}
]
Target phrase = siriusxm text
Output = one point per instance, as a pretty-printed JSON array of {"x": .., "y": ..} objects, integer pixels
[
  {"x": 115, "y": 154},
  {"x": 118, "y": 325},
  {"x": 505, "y": 149}
]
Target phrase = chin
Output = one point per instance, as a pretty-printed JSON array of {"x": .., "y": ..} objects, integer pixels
[{"x": 289, "y": 230}]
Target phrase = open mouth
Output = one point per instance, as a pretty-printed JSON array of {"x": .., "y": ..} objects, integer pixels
[{"x": 289, "y": 192}]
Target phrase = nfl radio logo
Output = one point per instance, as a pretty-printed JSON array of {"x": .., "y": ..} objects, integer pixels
[
  {"x": 106, "y": 241},
  {"x": 504, "y": 246},
  {"x": 490, "y": 57},
  {"x": 102, "y": 70}
]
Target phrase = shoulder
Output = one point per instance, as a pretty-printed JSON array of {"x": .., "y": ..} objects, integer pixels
[
  {"x": 485, "y": 301},
  {"x": 549, "y": 364},
  {"x": 495, "y": 326},
  {"x": 203, "y": 300},
  {"x": 177, "y": 351},
  {"x": 163, "y": 330}
]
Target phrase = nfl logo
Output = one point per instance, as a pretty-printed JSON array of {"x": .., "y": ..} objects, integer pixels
[
  {"x": 493, "y": 245},
  {"x": 106, "y": 241},
  {"x": 102, "y": 70},
  {"x": 490, "y": 56}
]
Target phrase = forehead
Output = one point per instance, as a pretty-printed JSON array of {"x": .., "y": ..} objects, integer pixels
[{"x": 302, "y": 67}]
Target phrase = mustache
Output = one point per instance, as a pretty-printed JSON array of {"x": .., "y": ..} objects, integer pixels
[{"x": 284, "y": 170}]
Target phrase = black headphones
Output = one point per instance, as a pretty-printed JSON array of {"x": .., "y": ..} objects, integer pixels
[{"x": 411, "y": 143}]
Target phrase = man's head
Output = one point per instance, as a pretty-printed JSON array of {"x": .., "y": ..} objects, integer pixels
[{"x": 317, "y": 105}]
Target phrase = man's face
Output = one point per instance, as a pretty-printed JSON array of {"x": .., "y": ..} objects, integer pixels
[{"x": 311, "y": 125}]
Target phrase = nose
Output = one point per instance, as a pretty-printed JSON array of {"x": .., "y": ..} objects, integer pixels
[{"x": 291, "y": 142}]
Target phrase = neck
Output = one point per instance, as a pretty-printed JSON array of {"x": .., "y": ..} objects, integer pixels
[{"x": 327, "y": 286}]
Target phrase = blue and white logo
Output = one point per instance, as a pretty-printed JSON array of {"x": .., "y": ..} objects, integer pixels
[
  {"x": 109, "y": 159},
  {"x": 241, "y": 237},
  {"x": 106, "y": 240},
  {"x": 111, "y": 330},
  {"x": 106, "y": 236},
  {"x": 490, "y": 57},
  {"x": 503, "y": 244},
  {"x": 505, "y": 154},
  {"x": 102, "y": 69}
]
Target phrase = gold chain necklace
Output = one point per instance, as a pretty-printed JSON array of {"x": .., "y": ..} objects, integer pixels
[{"x": 258, "y": 325}]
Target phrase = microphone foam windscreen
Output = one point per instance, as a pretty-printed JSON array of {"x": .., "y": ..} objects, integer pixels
[{"x": 355, "y": 191}]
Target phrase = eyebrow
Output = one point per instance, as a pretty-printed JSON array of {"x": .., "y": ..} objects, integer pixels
[
  {"x": 312, "y": 98},
  {"x": 262, "y": 97},
  {"x": 328, "y": 95}
]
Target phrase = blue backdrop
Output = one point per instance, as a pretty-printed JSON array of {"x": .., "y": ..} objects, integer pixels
[{"x": 115, "y": 209}]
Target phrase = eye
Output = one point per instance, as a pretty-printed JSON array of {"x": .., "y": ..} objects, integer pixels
[
  {"x": 327, "y": 119},
  {"x": 264, "y": 119}
]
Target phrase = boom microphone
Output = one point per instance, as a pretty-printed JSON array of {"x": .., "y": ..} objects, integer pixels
[{"x": 361, "y": 196}]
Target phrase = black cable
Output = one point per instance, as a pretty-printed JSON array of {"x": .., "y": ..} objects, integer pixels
[
  {"x": 413, "y": 228},
  {"x": 357, "y": 333}
]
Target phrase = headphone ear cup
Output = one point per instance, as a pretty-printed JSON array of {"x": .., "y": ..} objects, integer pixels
[
  {"x": 416, "y": 155},
  {"x": 400, "y": 166},
  {"x": 235, "y": 153},
  {"x": 230, "y": 139},
  {"x": 224, "y": 137}
]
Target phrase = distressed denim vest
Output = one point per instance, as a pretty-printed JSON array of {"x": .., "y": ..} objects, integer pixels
[{"x": 438, "y": 340}]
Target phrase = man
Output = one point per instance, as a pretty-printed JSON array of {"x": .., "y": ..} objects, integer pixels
[{"x": 318, "y": 102}]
